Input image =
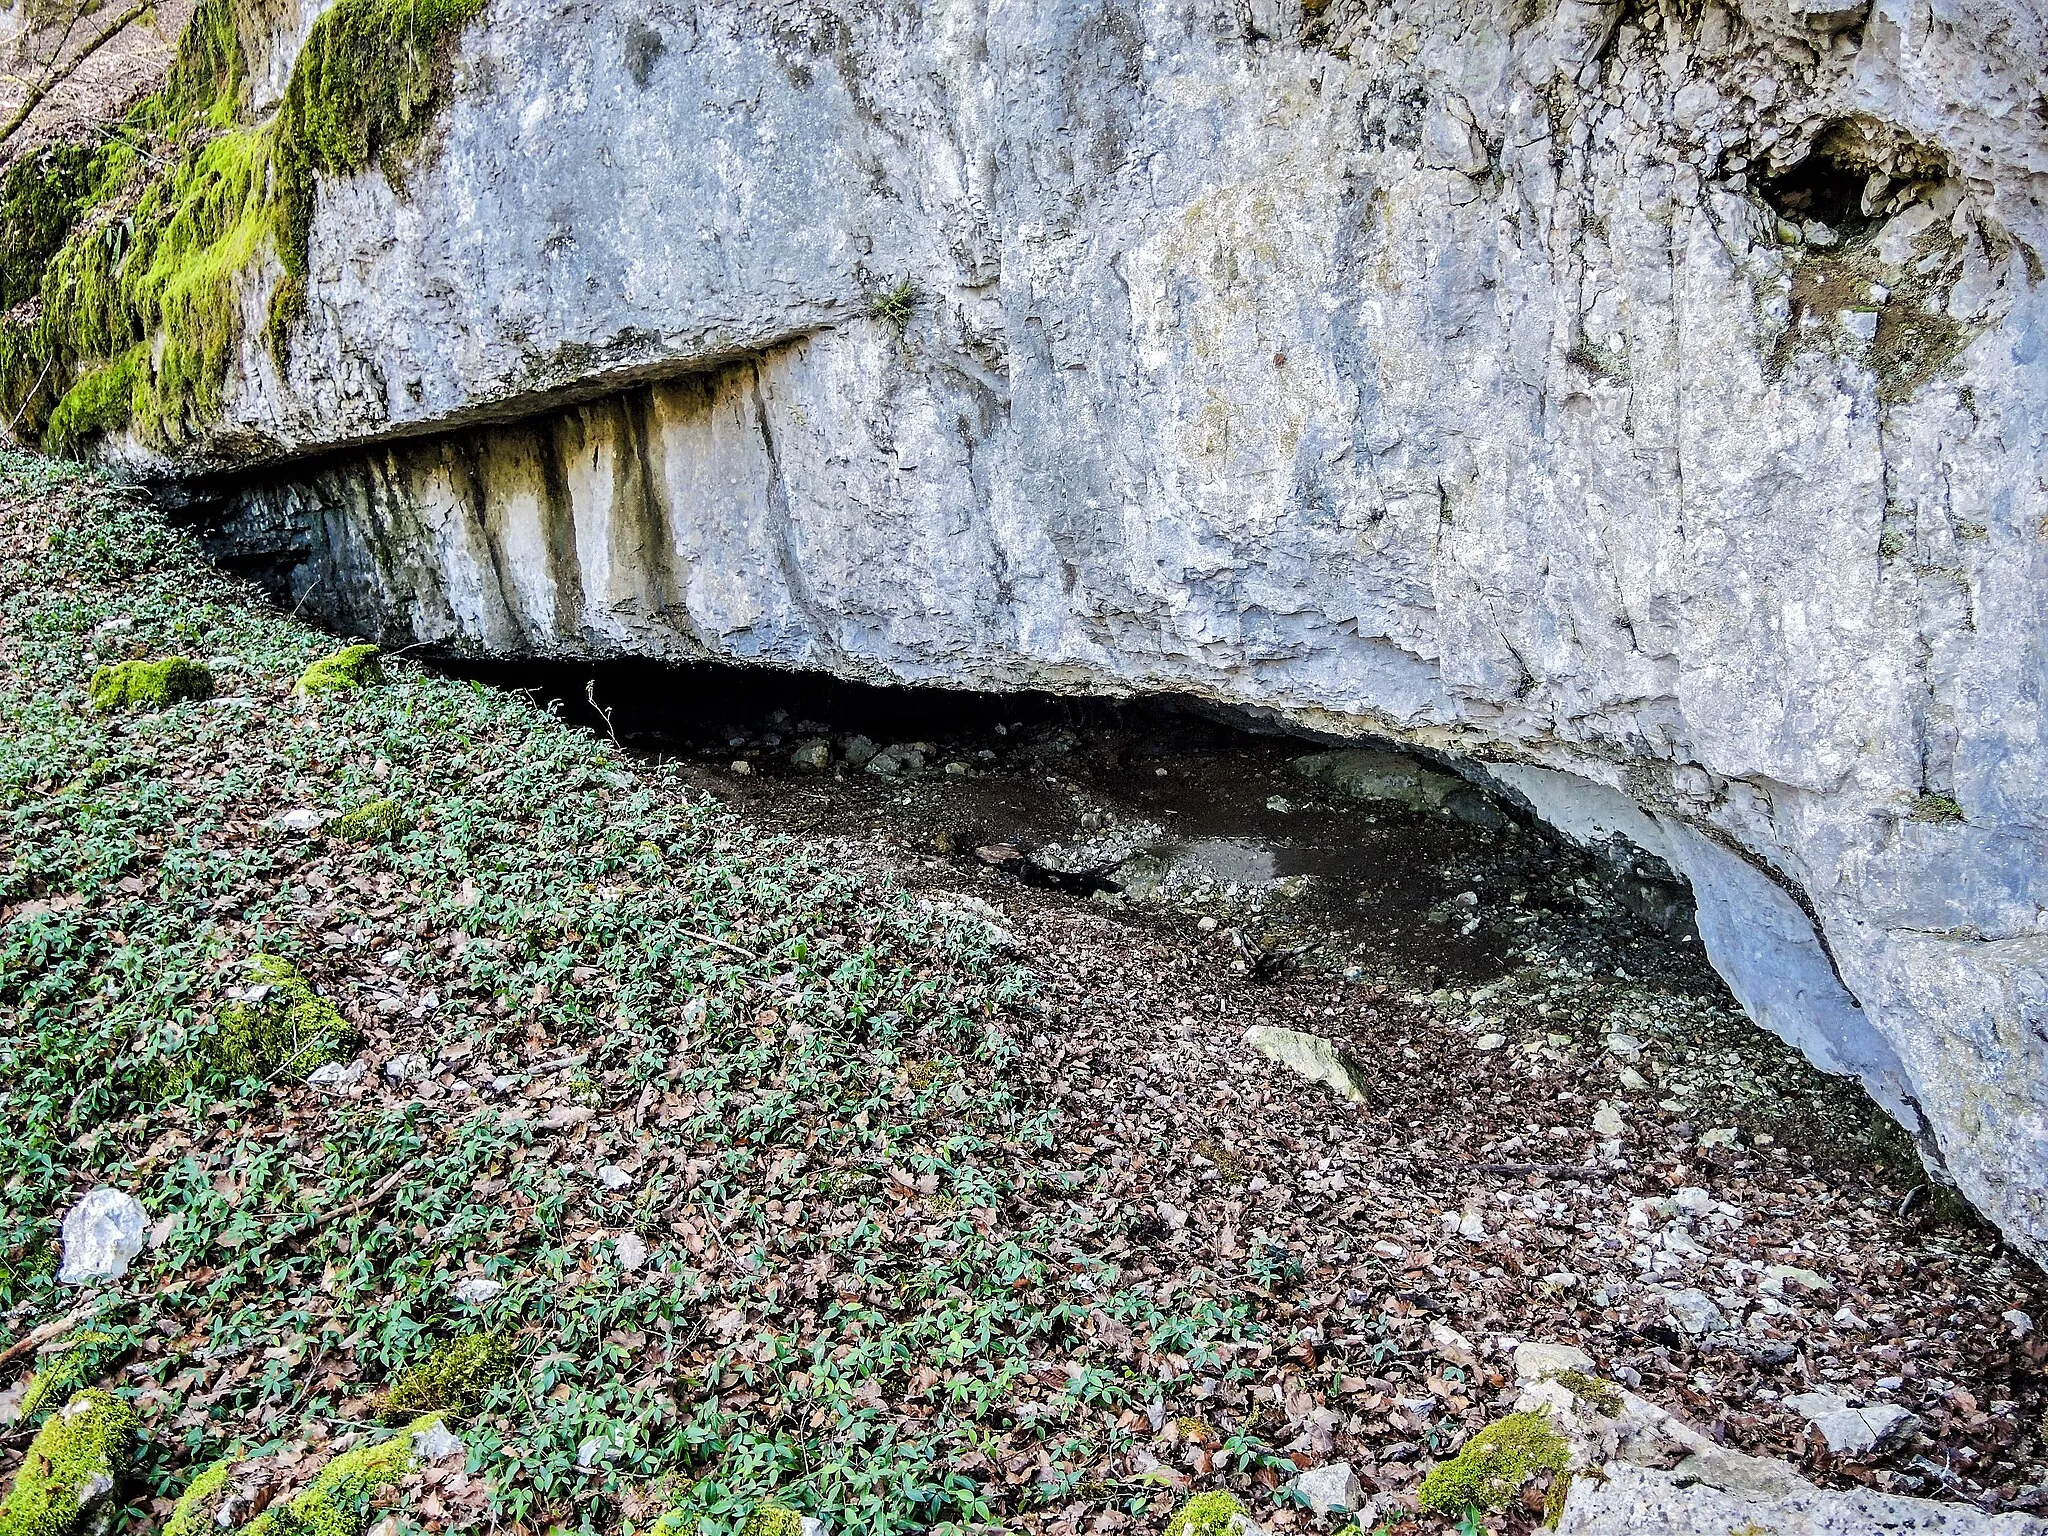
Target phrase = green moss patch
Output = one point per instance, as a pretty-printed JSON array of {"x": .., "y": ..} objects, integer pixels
[
  {"x": 288, "y": 1029},
  {"x": 129, "y": 263},
  {"x": 353, "y": 667},
  {"x": 72, "y": 1467},
  {"x": 1490, "y": 1471},
  {"x": 193, "y": 1514},
  {"x": 454, "y": 1378},
  {"x": 1207, "y": 1514},
  {"x": 149, "y": 684},
  {"x": 337, "y": 1501},
  {"x": 63, "y": 1374},
  {"x": 772, "y": 1519},
  {"x": 377, "y": 822}
]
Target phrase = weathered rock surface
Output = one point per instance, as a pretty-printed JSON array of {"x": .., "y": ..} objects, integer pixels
[{"x": 1652, "y": 401}]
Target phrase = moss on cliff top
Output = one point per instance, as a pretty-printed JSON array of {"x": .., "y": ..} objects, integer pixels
[{"x": 136, "y": 256}]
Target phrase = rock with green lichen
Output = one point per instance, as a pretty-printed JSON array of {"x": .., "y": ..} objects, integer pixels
[
  {"x": 193, "y": 1514},
  {"x": 377, "y": 822},
  {"x": 149, "y": 684},
  {"x": 453, "y": 1378},
  {"x": 281, "y": 1027},
  {"x": 354, "y": 667},
  {"x": 64, "y": 1373},
  {"x": 1209, "y": 1514},
  {"x": 66, "y": 1483},
  {"x": 772, "y": 1519},
  {"x": 1490, "y": 1471},
  {"x": 337, "y": 1501}
]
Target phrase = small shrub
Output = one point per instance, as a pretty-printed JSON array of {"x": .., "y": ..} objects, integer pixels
[
  {"x": 149, "y": 684},
  {"x": 895, "y": 305},
  {"x": 1490, "y": 1471}
]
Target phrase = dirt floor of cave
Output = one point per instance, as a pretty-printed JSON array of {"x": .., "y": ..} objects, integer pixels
[{"x": 1472, "y": 1193}]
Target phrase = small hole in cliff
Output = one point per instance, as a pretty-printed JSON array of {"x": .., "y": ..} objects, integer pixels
[
  {"x": 1821, "y": 188},
  {"x": 1848, "y": 179}
]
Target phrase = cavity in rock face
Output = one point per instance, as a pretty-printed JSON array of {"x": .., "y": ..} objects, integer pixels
[{"x": 1651, "y": 399}]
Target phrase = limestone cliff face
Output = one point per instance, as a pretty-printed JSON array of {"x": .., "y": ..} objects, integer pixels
[{"x": 1646, "y": 404}]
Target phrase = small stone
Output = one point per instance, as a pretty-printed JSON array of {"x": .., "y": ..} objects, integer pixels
[
  {"x": 813, "y": 754},
  {"x": 300, "y": 822},
  {"x": 475, "y": 1290},
  {"x": 1283, "y": 805},
  {"x": 614, "y": 1178},
  {"x": 103, "y": 1233},
  {"x": 1693, "y": 1200},
  {"x": 337, "y": 1075},
  {"x": 742, "y": 769},
  {"x": 1536, "y": 1360},
  {"x": 958, "y": 770},
  {"x": 409, "y": 1068},
  {"x": 1859, "y": 324},
  {"x": 1393, "y": 1252},
  {"x": 1626, "y": 1047},
  {"x": 631, "y": 1250},
  {"x": 1330, "y": 1489},
  {"x": 1695, "y": 1312},
  {"x": 1489, "y": 1042},
  {"x": 1720, "y": 1136},
  {"x": 1851, "y": 1429},
  {"x": 1607, "y": 1122},
  {"x": 858, "y": 751},
  {"x": 1633, "y": 1080},
  {"x": 1450, "y": 1343},
  {"x": 1312, "y": 1057},
  {"x": 437, "y": 1443},
  {"x": 2018, "y": 1321}
]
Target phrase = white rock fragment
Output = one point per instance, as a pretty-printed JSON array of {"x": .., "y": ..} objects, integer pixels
[
  {"x": 103, "y": 1233},
  {"x": 337, "y": 1075},
  {"x": 1489, "y": 1042},
  {"x": 410, "y": 1068},
  {"x": 1695, "y": 1312},
  {"x": 614, "y": 1178},
  {"x": 475, "y": 1290},
  {"x": 2018, "y": 1321},
  {"x": 300, "y": 821},
  {"x": 1330, "y": 1489},
  {"x": 1851, "y": 1428},
  {"x": 437, "y": 1443},
  {"x": 1536, "y": 1360},
  {"x": 1310, "y": 1056},
  {"x": 1607, "y": 1122}
]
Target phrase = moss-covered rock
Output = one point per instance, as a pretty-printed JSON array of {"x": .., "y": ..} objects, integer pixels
[
  {"x": 1490, "y": 1471},
  {"x": 149, "y": 684},
  {"x": 193, "y": 1514},
  {"x": 287, "y": 1029},
  {"x": 1208, "y": 1514},
  {"x": 337, "y": 1501},
  {"x": 772, "y": 1519},
  {"x": 453, "y": 1378},
  {"x": 66, "y": 1483},
  {"x": 353, "y": 667},
  {"x": 377, "y": 822},
  {"x": 63, "y": 1374}
]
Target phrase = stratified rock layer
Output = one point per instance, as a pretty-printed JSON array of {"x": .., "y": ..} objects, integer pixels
[{"x": 1654, "y": 401}]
